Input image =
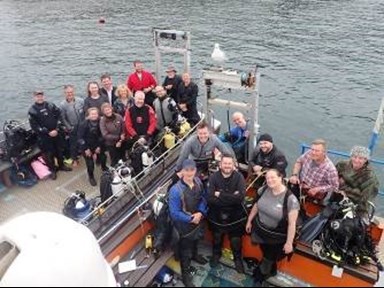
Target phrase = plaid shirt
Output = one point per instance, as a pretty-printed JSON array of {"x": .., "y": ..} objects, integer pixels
[{"x": 323, "y": 175}]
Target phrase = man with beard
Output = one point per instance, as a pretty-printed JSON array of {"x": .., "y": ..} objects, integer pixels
[
  {"x": 266, "y": 156},
  {"x": 226, "y": 213},
  {"x": 171, "y": 82},
  {"x": 142, "y": 80},
  {"x": 165, "y": 109},
  {"x": 202, "y": 147}
]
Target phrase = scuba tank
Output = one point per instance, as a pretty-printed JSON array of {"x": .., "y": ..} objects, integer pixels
[
  {"x": 148, "y": 243},
  {"x": 185, "y": 127},
  {"x": 117, "y": 184},
  {"x": 147, "y": 158},
  {"x": 125, "y": 174},
  {"x": 122, "y": 175},
  {"x": 169, "y": 139}
]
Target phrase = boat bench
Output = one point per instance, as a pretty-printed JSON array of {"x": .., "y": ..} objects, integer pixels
[
  {"x": 368, "y": 272},
  {"x": 142, "y": 277}
]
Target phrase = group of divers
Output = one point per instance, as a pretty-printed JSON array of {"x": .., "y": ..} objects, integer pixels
[{"x": 112, "y": 119}]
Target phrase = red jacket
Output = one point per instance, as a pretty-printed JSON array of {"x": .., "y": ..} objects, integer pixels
[
  {"x": 140, "y": 121},
  {"x": 135, "y": 84}
]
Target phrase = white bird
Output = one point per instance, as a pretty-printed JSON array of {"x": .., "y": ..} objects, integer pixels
[{"x": 218, "y": 55}]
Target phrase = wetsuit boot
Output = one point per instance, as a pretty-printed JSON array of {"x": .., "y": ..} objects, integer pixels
[
  {"x": 197, "y": 257},
  {"x": 236, "y": 247},
  {"x": 186, "y": 274},
  {"x": 216, "y": 248}
]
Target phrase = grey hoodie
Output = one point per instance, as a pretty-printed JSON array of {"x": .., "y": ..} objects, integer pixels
[{"x": 194, "y": 149}]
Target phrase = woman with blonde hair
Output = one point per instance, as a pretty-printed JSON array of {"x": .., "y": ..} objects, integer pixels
[{"x": 124, "y": 99}]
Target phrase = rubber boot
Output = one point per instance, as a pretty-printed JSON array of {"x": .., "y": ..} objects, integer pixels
[{"x": 236, "y": 247}]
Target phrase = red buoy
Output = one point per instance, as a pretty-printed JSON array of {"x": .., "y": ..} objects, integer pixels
[{"x": 101, "y": 20}]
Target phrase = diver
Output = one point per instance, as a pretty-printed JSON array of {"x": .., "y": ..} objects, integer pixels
[
  {"x": 264, "y": 157},
  {"x": 202, "y": 148},
  {"x": 357, "y": 179},
  {"x": 171, "y": 82},
  {"x": 91, "y": 143},
  {"x": 272, "y": 223},
  {"x": 187, "y": 208},
  {"x": 45, "y": 119},
  {"x": 238, "y": 136},
  {"x": 165, "y": 108},
  {"x": 226, "y": 212}
]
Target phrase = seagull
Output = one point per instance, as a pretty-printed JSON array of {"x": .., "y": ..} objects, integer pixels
[{"x": 218, "y": 55}]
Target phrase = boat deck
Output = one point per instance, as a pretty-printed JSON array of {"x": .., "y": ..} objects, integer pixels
[
  {"x": 224, "y": 275},
  {"x": 46, "y": 195},
  {"x": 49, "y": 195}
]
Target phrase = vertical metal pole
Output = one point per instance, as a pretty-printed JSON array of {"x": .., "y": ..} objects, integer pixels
[
  {"x": 254, "y": 129},
  {"x": 377, "y": 128},
  {"x": 187, "y": 53},
  {"x": 205, "y": 102},
  {"x": 157, "y": 55}
]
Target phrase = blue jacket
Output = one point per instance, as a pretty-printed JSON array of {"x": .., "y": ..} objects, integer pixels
[
  {"x": 176, "y": 205},
  {"x": 237, "y": 137}
]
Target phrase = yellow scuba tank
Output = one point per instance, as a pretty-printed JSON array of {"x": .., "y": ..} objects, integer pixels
[
  {"x": 148, "y": 243},
  {"x": 185, "y": 127},
  {"x": 169, "y": 139}
]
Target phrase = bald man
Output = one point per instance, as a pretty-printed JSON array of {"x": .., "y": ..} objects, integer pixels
[
  {"x": 187, "y": 99},
  {"x": 140, "y": 119},
  {"x": 238, "y": 136}
]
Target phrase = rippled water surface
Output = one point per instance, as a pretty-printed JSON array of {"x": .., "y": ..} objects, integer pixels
[{"x": 323, "y": 66}]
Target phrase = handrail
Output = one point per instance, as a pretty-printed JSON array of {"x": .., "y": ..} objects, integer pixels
[
  {"x": 130, "y": 214},
  {"x": 138, "y": 176},
  {"x": 339, "y": 153}
]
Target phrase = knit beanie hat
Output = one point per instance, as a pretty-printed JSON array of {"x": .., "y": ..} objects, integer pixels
[
  {"x": 265, "y": 137},
  {"x": 361, "y": 151}
]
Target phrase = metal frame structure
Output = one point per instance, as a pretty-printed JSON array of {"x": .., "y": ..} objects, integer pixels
[
  {"x": 247, "y": 82},
  {"x": 185, "y": 50}
]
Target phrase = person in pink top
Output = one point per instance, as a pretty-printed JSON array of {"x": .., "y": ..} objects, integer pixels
[{"x": 142, "y": 80}]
